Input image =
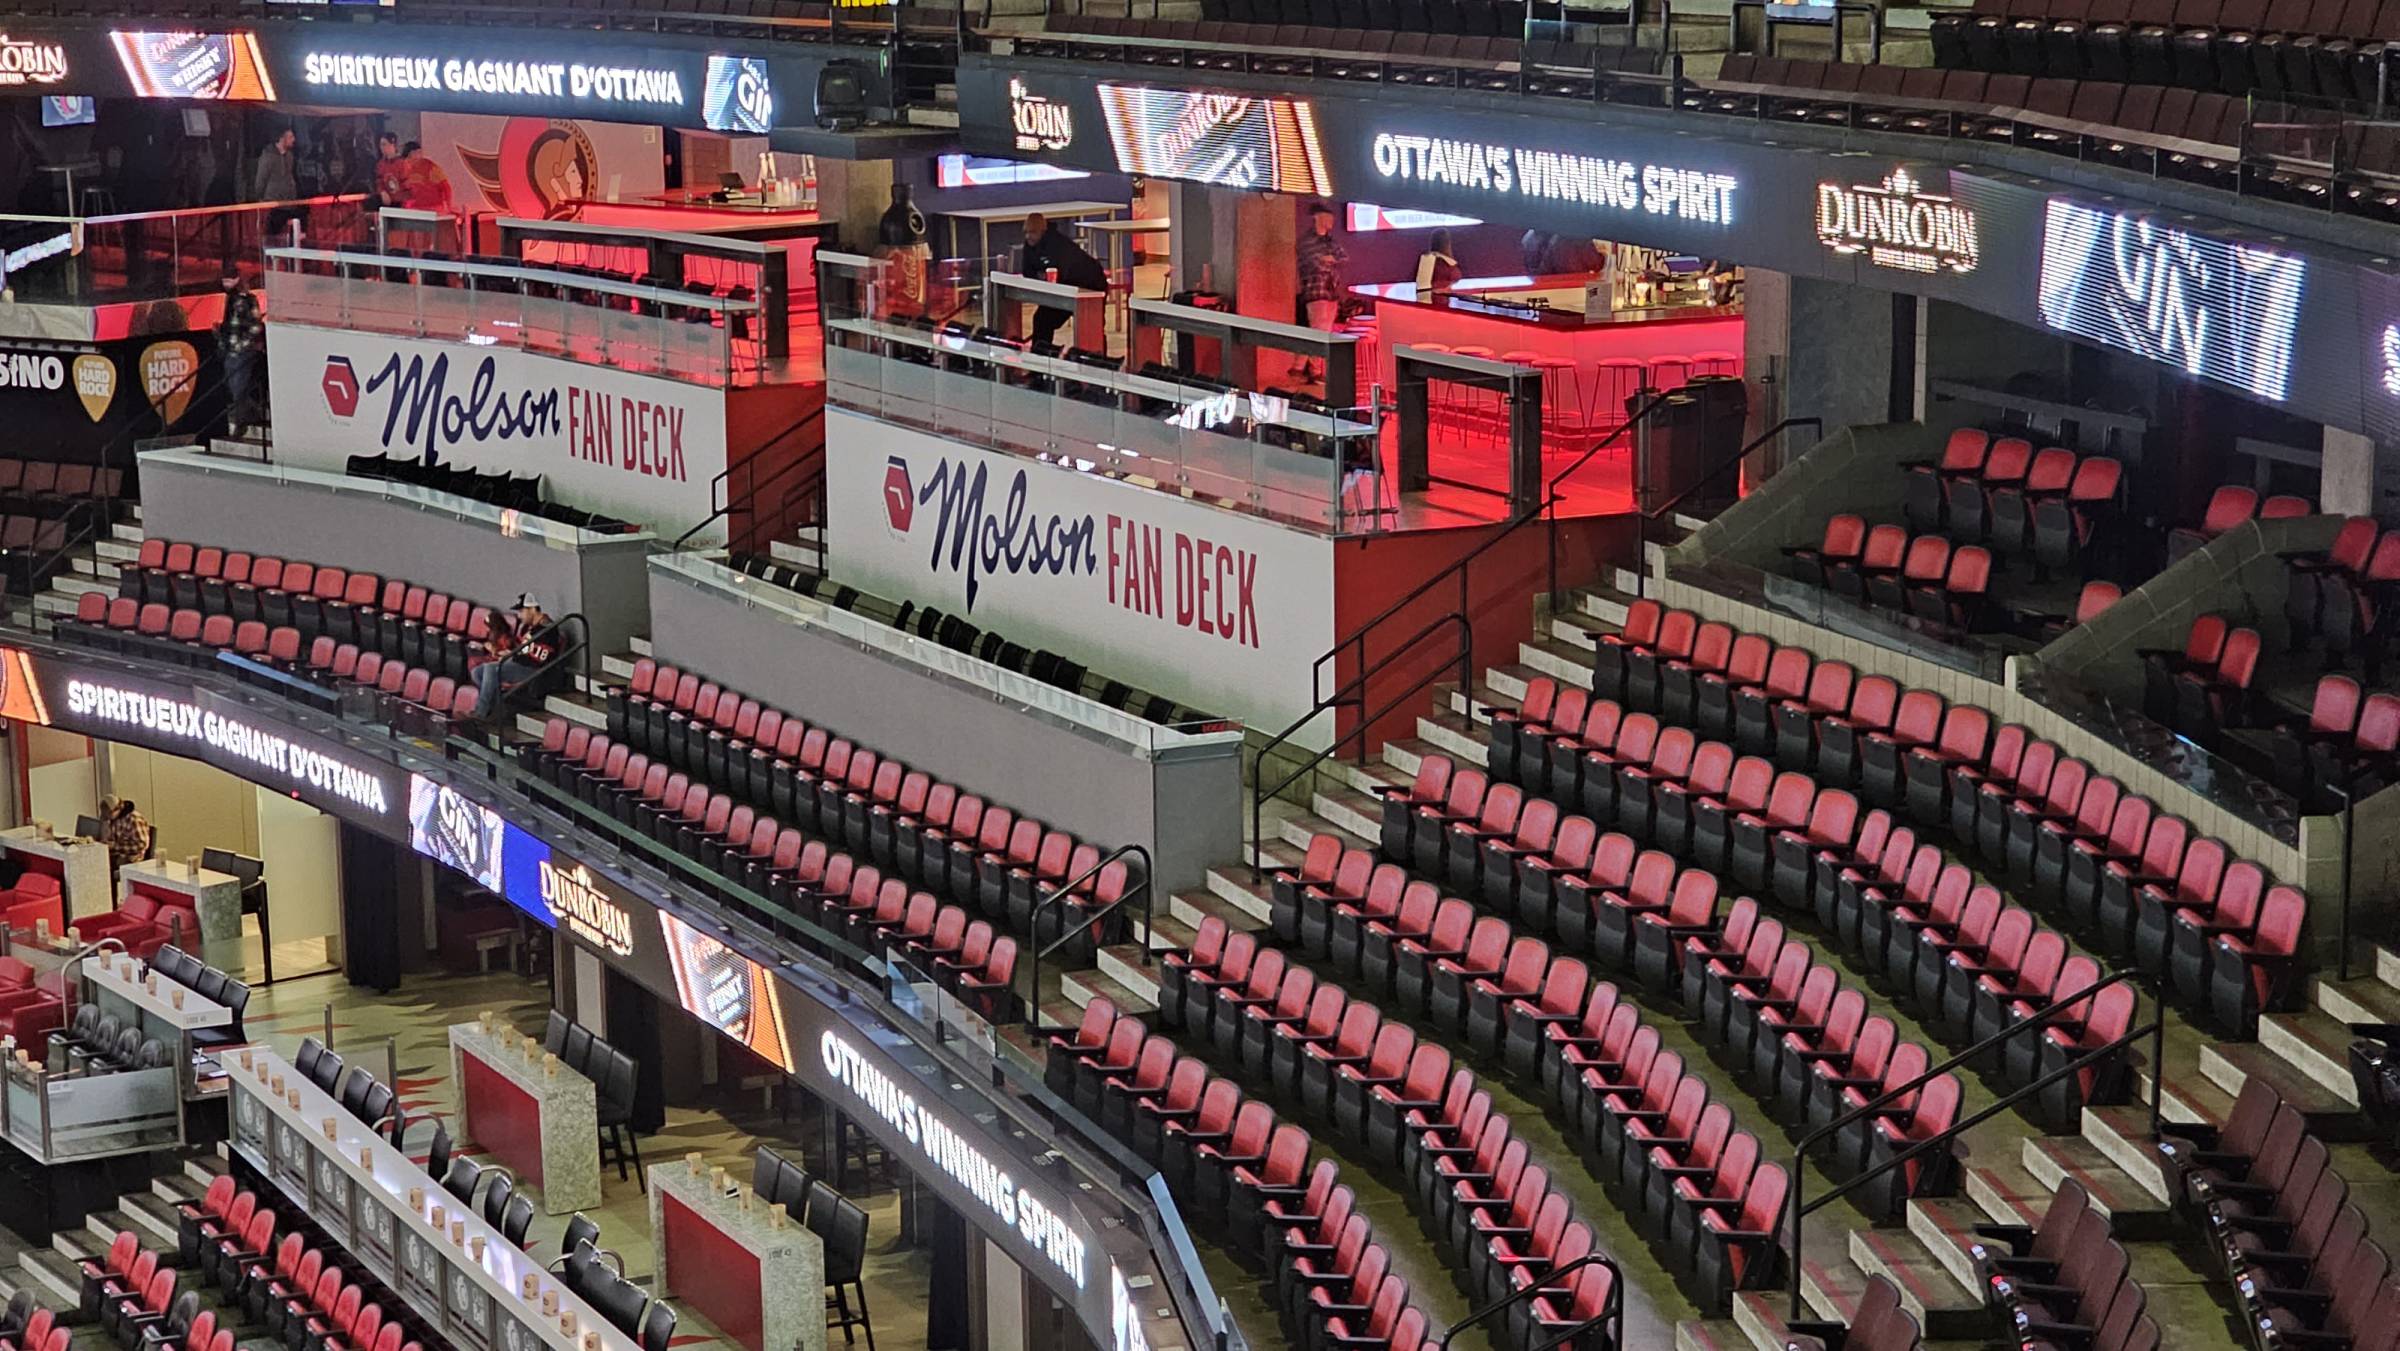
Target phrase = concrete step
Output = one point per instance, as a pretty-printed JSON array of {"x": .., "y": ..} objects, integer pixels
[
  {"x": 203, "y": 1168},
  {"x": 1732, "y": 1334},
  {"x": 1830, "y": 1287},
  {"x": 2004, "y": 1191},
  {"x": 2122, "y": 1134},
  {"x": 2231, "y": 1064},
  {"x": 617, "y": 666},
  {"x": 1946, "y": 1226},
  {"x": 54, "y": 604},
  {"x": 51, "y": 1276},
  {"x": 1167, "y": 934},
  {"x": 1404, "y": 754},
  {"x": 1232, "y": 886},
  {"x": 1195, "y": 907},
  {"x": 1510, "y": 682},
  {"x": 1453, "y": 736},
  {"x": 577, "y": 708},
  {"x": 1082, "y": 987},
  {"x": 640, "y": 643},
  {"x": 117, "y": 551},
  {"x": 73, "y": 587},
  {"x": 2132, "y": 1211},
  {"x": 2313, "y": 1044},
  {"x": 1943, "y": 1305},
  {"x": 129, "y": 531},
  {"x": 1122, "y": 964},
  {"x": 82, "y": 1245},
  {"x": 1559, "y": 659},
  {"x": 1368, "y": 778},
  {"x": 2361, "y": 1000},
  {"x": 1350, "y": 810}
]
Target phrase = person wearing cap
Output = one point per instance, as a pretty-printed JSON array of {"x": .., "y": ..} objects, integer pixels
[
  {"x": 520, "y": 645},
  {"x": 1322, "y": 259}
]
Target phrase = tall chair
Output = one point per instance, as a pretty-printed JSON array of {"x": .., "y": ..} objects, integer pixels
[
  {"x": 618, "y": 1139},
  {"x": 843, "y": 1227}
]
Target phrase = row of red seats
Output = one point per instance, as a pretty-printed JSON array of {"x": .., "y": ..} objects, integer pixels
[
  {"x": 28, "y": 1011},
  {"x": 298, "y": 1291},
  {"x": 2340, "y": 597},
  {"x": 1397, "y": 1096},
  {"x": 822, "y": 885},
  {"x": 2203, "y": 687},
  {"x": 413, "y": 623},
  {"x": 2066, "y": 842},
  {"x": 1798, "y": 842},
  {"x": 26, "y": 1326},
  {"x": 51, "y": 478},
  {"x": 908, "y": 820},
  {"x": 2002, "y": 492},
  {"x": 105, "y": 622},
  {"x": 2064, "y": 1281},
  {"x": 144, "y": 921},
  {"x": 35, "y": 898},
  {"x": 2347, "y": 747},
  {"x": 2311, "y": 47},
  {"x": 1243, "y": 1173},
  {"x": 2228, "y": 507},
  {"x": 129, "y": 1291},
  {"x": 2283, "y": 1227},
  {"x": 1926, "y": 575}
]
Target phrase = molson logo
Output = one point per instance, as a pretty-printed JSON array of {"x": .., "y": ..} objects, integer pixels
[
  {"x": 1014, "y": 539},
  {"x": 1898, "y": 225},
  {"x": 1040, "y": 123},
  {"x": 575, "y": 897},
  {"x": 24, "y": 63}
]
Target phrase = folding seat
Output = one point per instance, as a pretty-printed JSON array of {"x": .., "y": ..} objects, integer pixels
[
  {"x": 1831, "y": 689},
  {"x": 1741, "y": 1249},
  {"x": 1643, "y": 621},
  {"x": 2085, "y": 1028},
  {"x": 1775, "y": 1023},
  {"x": 1872, "y": 706},
  {"x": 1917, "y": 721},
  {"x": 1457, "y": 930},
  {"x": 2056, "y": 838},
  {"x": 1804, "y": 855},
  {"x": 1231, "y": 1008},
  {"x": 1957, "y": 600},
  {"x": 1448, "y": 1130},
  {"x": 1428, "y": 824},
  {"x": 1176, "y": 968},
  {"x": 2251, "y": 973},
  {"x": 2121, "y": 879},
  {"x": 1707, "y": 1188},
  {"x": 1379, "y": 939},
  {"x": 1676, "y": 805},
  {"x": 2206, "y": 702},
  {"x": 2202, "y": 27},
  {"x": 1516, "y": 1026},
  {"x": 1146, "y": 1078},
  {"x": 1346, "y": 1268},
  {"x": 2228, "y": 507},
  {"x": 1286, "y": 885},
  {"x": 1924, "y": 490},
  {"x": 1787, "y": 680},
  {"x": 1949, "y": 29},
  {"x": 1251, "y": 1036},
  {"x": 1595, "y": 912},
  {"x": 1639, "y": 780},
  {"x": 1932, "y": 889},
  {"x": 1464, "y": 841},
  {"x": 1506, "y": 729},
  {"x": 1878, "y": 566},
  {"x": 1211, "y": 1155},
  {"x": 2024, "y": 816},
  {"x": 1420, "y": 1087},
  {"x": 1317, "y": 1060},
  {"x": 2191, "y": 922},
  {"x": 2199, "y": 873},
  {"x": 1749, "y": 860},
  {"x": 1745, "y": 669},
  {"x": 1678, "y": 678},
  {"x": 2003, "y": 1254},
  {"x": 1600, "y": 774},
  {"x": 183, "y": 626},
  {"x": 1730, "y": 998},
  {"x": 1232, "y": 972},
  {"x": 1539, "y": 875},
  {"x": 1715, "y": 821},
  {"x": 1597, "y": 1035},
  {"x": 1677, "y": 633},
  {"x": 1469, "y": 993},
  {"x": 1967, "y": 498}
]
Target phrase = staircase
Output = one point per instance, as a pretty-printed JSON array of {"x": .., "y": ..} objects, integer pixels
[{"x": 50, "y": 1274}]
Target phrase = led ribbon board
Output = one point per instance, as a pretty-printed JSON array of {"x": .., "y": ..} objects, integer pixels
[
  {"x": 1206, "y": 136},
  {"x": 2211, "y": 308}
]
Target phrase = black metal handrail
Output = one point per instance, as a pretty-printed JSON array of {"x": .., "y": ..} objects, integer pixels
[
  {"x": 720, "y": 488},
  {"x": 1353, "y": 692},
  {"x": 1547, "y": 1285},
  {"x": 91, "y": 518},
  {"x": 581, "y": 646},
  {"x": 1145, "y": 890},
  {"x": 2155, "y": 1030},
  {"x": 1643, "y": 519}
]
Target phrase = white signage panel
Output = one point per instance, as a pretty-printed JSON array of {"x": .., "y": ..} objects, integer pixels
[
  {"x": 638, "y": 447},
  {"x": 1218, "y": 610}
]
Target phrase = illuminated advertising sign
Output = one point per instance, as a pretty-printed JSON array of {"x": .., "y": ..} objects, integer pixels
[
  {"x": 456, "y": 831},
  {"x": 739, "y": 97},
  {"x": 2222, "y": 310},
  {"x": 1207, "y": 136},
  {"x": 636, "y": 86},
  {"x": 1898, "y": 224},
  {"x": 1039, "y": 123},
  {"x": 981, "y": 171},
  {"x": 24, "y": 64},
  {"x": 727, "y": 990},
  {"x": 193, "y": 65},
  {"x": 1366, "y": 219},
  {"x": 1610, "y": 184}
]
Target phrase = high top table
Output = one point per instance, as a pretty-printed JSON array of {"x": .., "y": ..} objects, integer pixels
[
  {"x": 357, "y": 1186},
  {"x": 216, "y": 897},
  {"x": 762, "y": 1286},
  {"x": 81, "y": 865},
  {"x": 120, "y": 985},
  {"x": 545, "y": 1127}
]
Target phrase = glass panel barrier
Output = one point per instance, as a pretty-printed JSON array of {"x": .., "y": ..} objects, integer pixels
[
  {"x": 1271, "y": 454},
  {"x": 649, "y": 330},
  {"x": 98, "y": 260}
]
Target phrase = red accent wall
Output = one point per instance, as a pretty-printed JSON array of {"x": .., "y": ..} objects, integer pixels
[
  {"x": 712, "y": 1273},
  {"x": 505, "y": 1120}
]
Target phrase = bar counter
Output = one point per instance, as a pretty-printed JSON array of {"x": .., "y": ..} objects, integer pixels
[
  {"x": 80, "y": 865},
  {"x": 545, "y": 1126},
  {"x": 1476, "y": 313},
  {"x": 762, "y": 1286}
]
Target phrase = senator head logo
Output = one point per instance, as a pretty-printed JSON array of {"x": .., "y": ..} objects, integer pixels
[
  {"x": 899, "y": 497},
  {"x": 340, "y": 383}
]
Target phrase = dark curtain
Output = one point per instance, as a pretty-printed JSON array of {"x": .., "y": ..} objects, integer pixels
[{"x": 371, "y": 870}]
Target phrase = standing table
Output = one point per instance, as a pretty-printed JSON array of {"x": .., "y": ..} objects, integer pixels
[
  {"x": 985, "y": 217},
  {"x": 81, "y": 866},
  {"x": 762, "y": 1286},
  {"x": 544, "y": 1126},
  {"x": 216, "y": 897},
  {"x": 120, "y": 984}
]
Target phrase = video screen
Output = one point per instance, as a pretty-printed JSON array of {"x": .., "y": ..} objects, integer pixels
[
  {"x": 1366, "y": 218},
  {"x": 456, "y": 832},
  {"x": 69, "y": 110},
  {"x": 985, "y": 171},
  {"x": 739, "y": 97},
  {"x": 727, "y": 990},
  {"x": 1231, "y": 140},
  {"x": 193, "y": 65}
]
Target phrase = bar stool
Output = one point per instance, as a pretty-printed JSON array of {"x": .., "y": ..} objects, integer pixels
[
  {"x": 1717, "y": 363},
  {"x": 1660, "y": 366},
  {"x": 1619, "y": 380},
  {"x": 1562, "y": 393},
  {"x": 1470, "y": 400}
]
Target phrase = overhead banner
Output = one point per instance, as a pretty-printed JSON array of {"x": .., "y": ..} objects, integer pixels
[
  {"x": 1213, "y": 608},
  {"x": 641, "y": 448}
]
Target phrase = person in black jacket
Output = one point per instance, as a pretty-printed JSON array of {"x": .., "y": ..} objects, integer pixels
[{"x": 1052, "y": 256}]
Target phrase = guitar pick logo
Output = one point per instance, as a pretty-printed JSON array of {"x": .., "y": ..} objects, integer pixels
[
  {"x": 95, "y": 384},
  {"x": 169, "y": 370}
]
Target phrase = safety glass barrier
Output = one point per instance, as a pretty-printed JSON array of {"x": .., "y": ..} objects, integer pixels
[
  {"x": 1900, "y": 632},
  {"x": 503, "y": 520},
  {"x": 58, "y": 1117},
  {"x": 1023, "y": 692},
  {"x": 2221, "y": 781},
  {"x": 98, "y": 260},
  {"x": 1269, "y": 453},
  {"x": 688, "y": 335},
  {"x": 2301, "y": 137}
]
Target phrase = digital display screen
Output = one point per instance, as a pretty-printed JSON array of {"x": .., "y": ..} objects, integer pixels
[
  {"x": 193, "y": 65},
  {"x": 739, "y": 96},
  {"x": 68, "y": 111},
  {"x": 2211, "y": 308},
  {"x": 456, "y": 831},
  {"x": 1209, "y": 136},
  {"x": 985, "y": 171},
  {"x": 727, "y": 990},
  {"x": 1365, "y": 219}
]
